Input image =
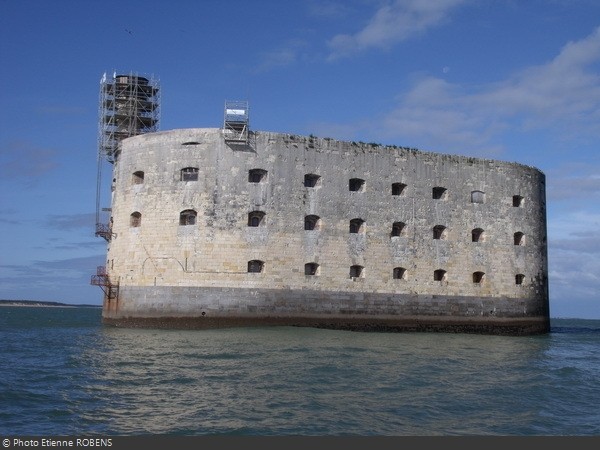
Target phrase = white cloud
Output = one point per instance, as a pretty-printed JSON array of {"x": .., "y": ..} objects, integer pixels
[
  {"x": 392, "y": 23},
  {"x": 565, "y": 89},
  {"x": 579, "y": 224},
  {"x": 289, "y": 53},
  {"x": 574, "y": 261},
  {"x": 561, "y": 97}
]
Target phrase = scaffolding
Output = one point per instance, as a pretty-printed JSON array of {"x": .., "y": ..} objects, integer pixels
[
  {"x": 129, "y": 105},
  {"x": 236, "y": 122}
]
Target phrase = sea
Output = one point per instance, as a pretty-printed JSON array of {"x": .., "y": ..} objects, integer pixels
[{"x": 65, "y": 373}]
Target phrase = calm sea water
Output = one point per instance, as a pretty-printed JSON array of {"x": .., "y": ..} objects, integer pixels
[{"x": 63, "y": 373}]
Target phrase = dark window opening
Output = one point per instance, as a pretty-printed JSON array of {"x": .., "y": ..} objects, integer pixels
[
  {"x": 257, "y": 175},
  {"x": 138, "y": 177},
  {"x": 439, "y": 275},
  {"x": 312, "y": 223},
  {"x": 311, "y": 180},
  {"x": 477, "y": 235},
  {"x": 439, "y": 193},
  {"x": 439, "y": 232},
  {"x": 398, "y": 188},
  {"x": 311, "y": 269},
  {"x": 398, "y": 229},
  {"x": 517, "y": 201},
  {"x": 399, "y": 273},
  {"x": 255, "y": 266},
  {"x": 256, "y": 218},
  {"x": 135, "y": 220},
  {"x": 477, "y": 197},
  {"x": 187, "y": 217},
  {"x": 519, "y": 278},
  {"x": 356, "y": 271},
  {"x": 189, "y": 174},
  {"x": 357, "y": 226},
  {"x": 519, "y": 238},
  {"x": 478, "y": 277},
  {"x": 356, "y": 185},
  {"x": 190, "y": 143}
]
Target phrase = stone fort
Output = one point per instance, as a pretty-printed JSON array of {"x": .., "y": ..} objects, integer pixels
[{"x": 280, "y": 229}]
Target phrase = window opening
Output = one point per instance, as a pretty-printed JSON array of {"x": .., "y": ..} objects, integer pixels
[
  {"x": 477, "y": 235},
  {"x": 398, "y": 188},
  {"x": 357, "y": 226},
  {"x": 187, "y": 217},
  {"x": 439, "y": 275},
  {"x": 439, "y": 193},
  {"x": 255, "y": 266},
  {"x": 519, "y": 238},
  {"x": 256, "y": 218},
  {"x": 135, "y": 220},
  {"x": 138, "y": 177},
  {"x": 189, "y": 174},
  {"x": 312, "y": 223},
  {"x": 356, "y": 271},
  {"x": 517, "y": 201},
  {"x": 439, "y": 232},
  {"x": 519, "y": 278},
  {"x": 477, "y": 197},
  {"x": 478, "y": 277},
  {"x": 257, "y": 175},
  {"x": 357, "y": 185},
  {"x": 311, "y": 180},
  {"x": 399, "y": 273},
  {"x": 311, "y": 269},
  {"x": 398, "y": 229}
]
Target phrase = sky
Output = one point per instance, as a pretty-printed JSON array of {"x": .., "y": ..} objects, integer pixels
[{"x": 508, "y": 80}]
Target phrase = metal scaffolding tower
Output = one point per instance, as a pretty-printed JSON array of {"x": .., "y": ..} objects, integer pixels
[
  {"x": 236, "y": 122},
  {"x": 129, "y": 105}
]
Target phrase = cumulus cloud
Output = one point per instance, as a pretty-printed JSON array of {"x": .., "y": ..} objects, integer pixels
[
  {"x": 288, "y": 54},
  {"x": 562, "y": 95},
  {"x": 393, "y": 22},
  {"x": 565, "y": 89},
  {"x": 574, "y": 257}
]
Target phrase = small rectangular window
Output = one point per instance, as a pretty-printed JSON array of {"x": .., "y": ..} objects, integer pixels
[
  {"x": 398, "y": 188},
  {"x": 257, "y": 176},
  {"x": 138, "y": 177},
  {"x": 517, "y": 201},
  {"x": 311, "y": 180},
  {"x": 439, "y": 193},
  {"x": 477, "y": 197},
  {"x": 189, "y": 174},
  {"x": 356, "y": 185}
]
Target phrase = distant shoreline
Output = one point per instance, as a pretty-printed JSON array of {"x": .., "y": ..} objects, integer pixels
[{"x": 41, "y": 304}]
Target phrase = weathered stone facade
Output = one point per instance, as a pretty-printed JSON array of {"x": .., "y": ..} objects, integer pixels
[{"x": 211, "y": 234}]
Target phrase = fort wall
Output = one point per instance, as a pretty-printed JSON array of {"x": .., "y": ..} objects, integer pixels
[{"x": 312, "y": 231}]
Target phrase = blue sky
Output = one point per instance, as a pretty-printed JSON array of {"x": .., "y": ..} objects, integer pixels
[{"x": 509, "y": 80}]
